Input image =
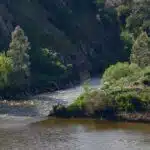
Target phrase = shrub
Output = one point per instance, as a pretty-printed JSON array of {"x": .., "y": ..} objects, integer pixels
[
  {"x": 123, "y": 10},
  {"x": 121, "y": 74},
  {"x": 115, "y": 72},
  {"x": 94, "y": 104},
  {"x": 5, "y": 70},
  {"x": 146, "y": 80},
  {"x": 129, "y": 101},
  {"x": 128, "y": 41}
]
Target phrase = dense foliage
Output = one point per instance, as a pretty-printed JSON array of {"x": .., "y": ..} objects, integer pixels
[
  {"x": 70, "y": 40},
  {"x": 15, "y": 66},
  {"x": 126, "y": 85},
  {"x": 18, "y": 53},
  {"x": 5, "y": 70},
  {"x": 84, "y": 35},
  {"x": 125, "y": 88},
  {"x": 141, "y": 50}
]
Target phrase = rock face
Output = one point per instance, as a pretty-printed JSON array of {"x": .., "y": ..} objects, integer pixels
[{"x": 68, "y": 26}]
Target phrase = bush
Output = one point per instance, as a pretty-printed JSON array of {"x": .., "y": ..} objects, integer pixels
[
  {"x": 121, "y": 74},
  {"x": 59, "y": 111},
  {"x": 128, "y": 41},
  {"x": 125, "y": 88},
  {"x": 123, "y": 12},
  {"x": 97, "y": 101},
  {"x": 129, "y": 102},
  {"x": 146, "y": 79},
  {"x": 5, "y": 71},
  {"x": 115, "y": 72},
  {"x": 93, "y": 104}
]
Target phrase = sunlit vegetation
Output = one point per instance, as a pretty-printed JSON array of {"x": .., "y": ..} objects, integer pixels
[
  {"x": 57, "y": 43},
  {"x": 126, "y": 85}
]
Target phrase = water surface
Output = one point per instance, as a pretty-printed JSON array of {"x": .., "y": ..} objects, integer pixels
[
  {"x": 58, "y": 134},
  {"x": 26, "y": 127}
]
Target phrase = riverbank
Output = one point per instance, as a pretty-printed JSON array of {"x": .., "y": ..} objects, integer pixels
[
  {"x": 125, "y": 88},
  {"x": 135, "y": 117},
  {"x": 141, "y": 117},
  {"x": 22, "y": 103},
  {"x": 18, "y": 94}
]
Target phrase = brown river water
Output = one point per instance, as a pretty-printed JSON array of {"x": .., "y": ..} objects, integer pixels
[{"x": 25, "y": 127}]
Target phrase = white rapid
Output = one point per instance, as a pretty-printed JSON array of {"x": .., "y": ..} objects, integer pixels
[{"x": 45, "y": 101}]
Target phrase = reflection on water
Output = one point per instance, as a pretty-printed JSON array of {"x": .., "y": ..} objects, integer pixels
[{"x": 55, "y": 134}]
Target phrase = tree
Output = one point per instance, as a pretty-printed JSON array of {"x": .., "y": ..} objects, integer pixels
[
  {"x": 128, "y": 40},
  {"x": 51, "y": 68},
  {"x": 18, "y": 52},
  {"x": 140, "y": 53},
  {"x": 140, "y": 17}
]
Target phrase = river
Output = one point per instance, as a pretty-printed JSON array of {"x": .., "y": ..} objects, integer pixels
[{"x": 26, "y": 127}]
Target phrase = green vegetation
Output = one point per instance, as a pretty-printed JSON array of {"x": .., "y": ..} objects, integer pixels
[
  {"x": 15, "y": 74},
  {"x": 141, "y": 50},
  {"x": 126, "y": 85},
  {"x": 5, "y": 70},
  {"x": 18, "y": 53},
  {"x": 63, "y": 49},
  {"x": 125, "y": 88}
]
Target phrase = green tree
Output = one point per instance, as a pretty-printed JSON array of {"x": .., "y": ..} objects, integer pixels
[
  {"x": 140, "y": 53},
  {"x": 5, "y": 70},
  {"x": 140, "y": 17},
  {"x": 51, "y": 69},
  {"x": 128, "y": 40},
  {"x": 123, "y": 12},
  {"x": 18, "y": 52}
]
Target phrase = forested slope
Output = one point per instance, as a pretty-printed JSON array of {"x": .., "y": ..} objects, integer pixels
[
  {"x": 124, "y": 92},
  {"x": 66, "y": 26},
  {"x": 86, "y": 35}
]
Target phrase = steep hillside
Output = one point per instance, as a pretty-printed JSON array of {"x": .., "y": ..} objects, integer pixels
[
  {"x": 85, "y": 34},
  {"x": 66, "y": 26}
]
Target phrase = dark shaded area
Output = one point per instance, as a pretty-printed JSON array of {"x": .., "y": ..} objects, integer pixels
[{"x": 84, "y": 34}]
